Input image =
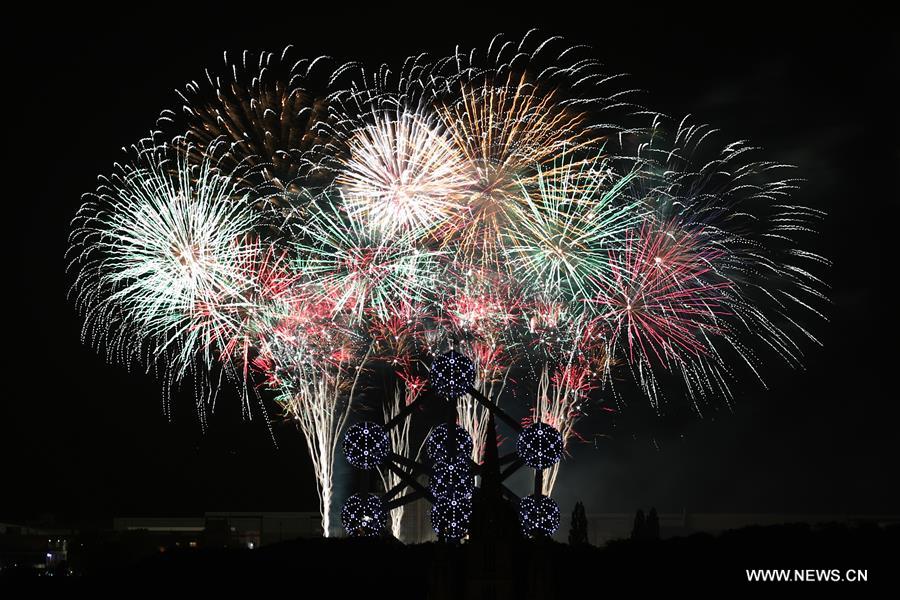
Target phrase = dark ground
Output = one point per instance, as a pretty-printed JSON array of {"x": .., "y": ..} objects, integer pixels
[{"x": 521, "y": 570}]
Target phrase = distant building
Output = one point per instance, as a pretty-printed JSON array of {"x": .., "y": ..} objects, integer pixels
[
  {"x": 255, "y": 529},
  {"x": 40, "y": 549},
  {"x": 226, "y": 529}
]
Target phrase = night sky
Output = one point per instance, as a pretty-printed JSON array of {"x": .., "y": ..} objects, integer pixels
[{"x": 84, "y": 440}]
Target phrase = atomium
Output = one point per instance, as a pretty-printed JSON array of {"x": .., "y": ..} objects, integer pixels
[
  {"x": 452, "y": 479},
  {"x": 363, "y": 515},
  {"x": 366, "y": 445},
  {"x": 439, "y": 445},
  {"x": 540, "y": 446},
  {"x": 452, "y": 375},
  {"x": 450, "y": 517},
  {"x": 539, "y": 515}
]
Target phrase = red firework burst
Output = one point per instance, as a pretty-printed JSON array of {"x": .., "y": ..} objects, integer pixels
[{"x": 665, "y": 296}]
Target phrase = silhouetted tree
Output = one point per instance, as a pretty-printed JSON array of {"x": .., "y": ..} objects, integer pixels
[
  {"x": 578, "y": 534},
  {"x": 637, "y": 532},
  {"x": 651, "y": 527}
]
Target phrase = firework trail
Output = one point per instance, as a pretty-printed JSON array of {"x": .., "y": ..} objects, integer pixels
[
  {"x": 314, "y": 361},
  {"x": 396, "y": 345},
  {"x": 560, "y": 402},
  {"x": 479, "y": 310},
  {"x": 405, "y": 392}
]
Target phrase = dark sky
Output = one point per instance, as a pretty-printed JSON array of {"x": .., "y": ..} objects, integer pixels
[{"x": 85, "y": 440}]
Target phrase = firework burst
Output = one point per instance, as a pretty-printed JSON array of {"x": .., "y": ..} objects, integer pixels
[
  {"x": 512, "y": 109},
  {"x": 561, "y": 232},
  {"x": 664, "y": 296},
  {"x": 403, "y": 174},
  {"x": 160, "y": 251},
  {"x": 264, "y": 110},
  {"x": 320, "y": 224},
  {"x": 737, "y": 208},
  {"x": 364, "y": 271}
]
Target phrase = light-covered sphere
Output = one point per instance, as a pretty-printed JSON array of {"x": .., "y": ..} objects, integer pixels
[
  {"x": 363, "y": 515},
  {"x": 448, "y": 439},
  {"x": 366, "y": 445},
  {"x": 540, "y": 446},
  {"x": 452, "y": 375},
  {"x": 539, "y": 515},
  {"x": 452, "y": 478},
  {"x": 450, "y": 517}
]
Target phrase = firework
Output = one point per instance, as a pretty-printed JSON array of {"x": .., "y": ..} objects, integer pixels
[
  {"x": 313, "y": 361},
  {"x": 160, "y": 249},
  {"x": 406, "y": 390},
  {"x": 264, "y": 110},
  {"x": 560, "y": 402},
  {"x": 561, "y": 233},
  {"x": 403, "y": 173},
  {"x": 478, "y": 311},
  {"x": 510, "y": 110},
  {"x": 323, "y": 224},
  {"x": 749, "y": 248},
  {"x": 361, "y": 269}
]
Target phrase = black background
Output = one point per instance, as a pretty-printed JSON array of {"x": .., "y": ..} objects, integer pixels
[{"x": 84, "y": 440}]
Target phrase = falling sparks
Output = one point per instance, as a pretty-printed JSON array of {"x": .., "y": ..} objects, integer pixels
[{"x": 310, "y": 226}]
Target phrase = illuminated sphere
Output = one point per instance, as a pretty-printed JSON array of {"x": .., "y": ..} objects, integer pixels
[
  {"x": 452, "y": 374},
  {"x": 540, "y": 446},
  {"x": 366, "y": 445},
  {"x": 539, "y": 515},
  {"x": 440, "y": 447},
  {"x": 363, "y": 515},
  {"x": 452, "y": 479},
  {"x": 450, "y": 517}
]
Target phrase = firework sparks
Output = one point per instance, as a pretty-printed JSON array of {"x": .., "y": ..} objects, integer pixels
[
  {"x": 403, "y": 174},
  {"x": 490, "y": 202},
  {"x": 662, "y": 298},
  {"x": 406, "y": 390},
  {"x": 266, "y": 111},
  {"x": 560, "y": 235},
  {"x": 314, "y": 362},
  {"x": 509, "y": 114},
  {"x": 560, "y": 401},
  {"x": 364, "y": 271},
  {"x": 162, "y": 248}
]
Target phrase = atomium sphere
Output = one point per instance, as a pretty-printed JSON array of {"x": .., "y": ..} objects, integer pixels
[
  {"x": 540, "y": 446},
  {"x": 363, "y": 515},
  {"x": 366, "y": 445},
  {"x": 452, "y": 479},
  {"x": 450, "y": 517},
  {"x": 539, "y": 515},
  {"x": 447, "y": 439},
  {"x": 452, "y": 374}
]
